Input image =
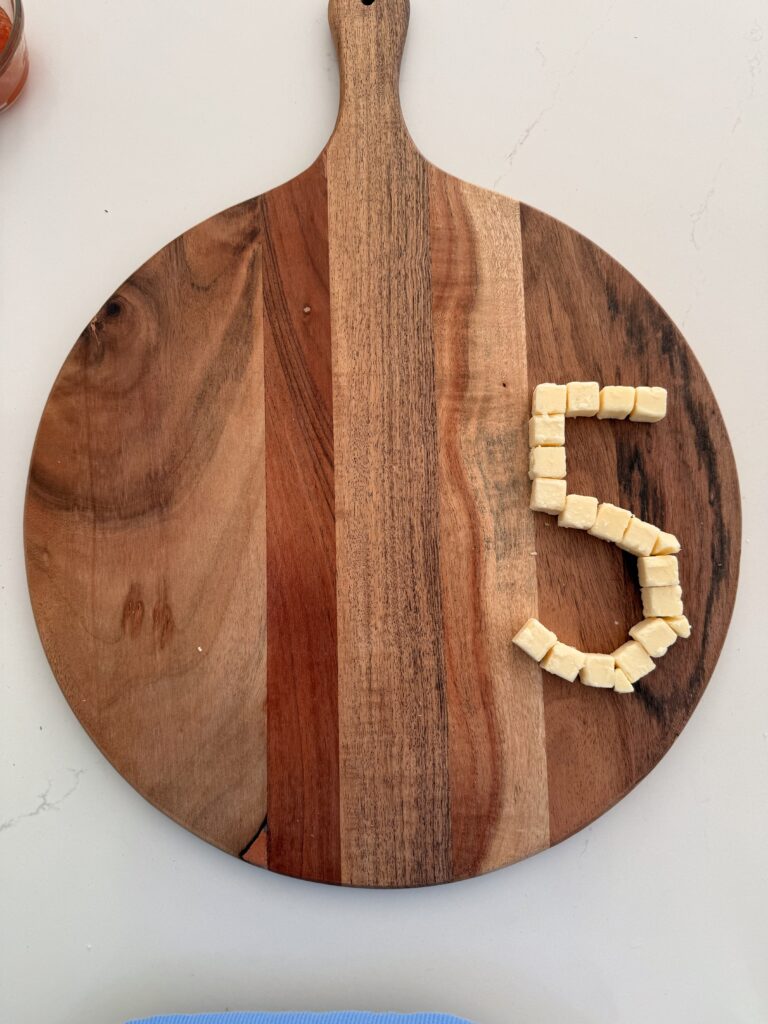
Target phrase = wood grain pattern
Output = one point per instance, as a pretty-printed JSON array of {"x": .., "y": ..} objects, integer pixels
[
  {"x": 145, "y": 530},
  {"x": 392, "y": 707},
  {"x": 587, "y": 319},
  {"x": 499, "y": 808},
  {"x": 301, "y": 531},
  {"x": 277, "y": 528}
]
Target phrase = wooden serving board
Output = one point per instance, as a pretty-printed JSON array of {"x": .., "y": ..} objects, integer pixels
[{"x": 277, "y": 527}]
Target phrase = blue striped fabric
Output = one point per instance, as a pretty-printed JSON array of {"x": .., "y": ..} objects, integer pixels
[{"x": 304, "y": 1018}]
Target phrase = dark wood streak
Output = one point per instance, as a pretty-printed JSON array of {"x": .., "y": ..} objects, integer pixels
[
  {"x": 133, "y": 611},
  {"x": 260, "y": 832},
  {"x": 163, "y": 622},
  {"x": 588, "y": 319},
  {"x": 655, "y": 707},
  {"x": 722, "y": 538},
  {"x": 637, "y": 481}
]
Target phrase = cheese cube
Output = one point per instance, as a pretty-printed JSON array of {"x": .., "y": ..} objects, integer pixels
[
  {"x": 666, "y": 544},
  {"x": 579, "y": 513},
  {"x": 583, "y": 398},
  {"x": 611, "y": 522},
  {"x": 621, "y": 684},
  {"x": 658, "y": 571},
  {"x": 546, "y": 462},
  {"x": 633, "y": 660},
  {"x": 535, "y": 639},
  {"x": 655, "y": 636},
  {"x": 546, "y": 430},
  {"x": 598, "y": 670},
  {"x": 650, "y": 405},
  {"x": 547, "y": 495},
  {"x": 680, "y": 624},
  {"x": 662, "y": 602},
  {"x": 616, "y": 402},
  {"x": 639, "y": 537},
  {"x": 563, "y": 661},
  {"x": 548, "y": 399}
]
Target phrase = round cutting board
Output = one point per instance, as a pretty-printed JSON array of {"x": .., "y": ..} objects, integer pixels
[{"x": 277, "y": 528}]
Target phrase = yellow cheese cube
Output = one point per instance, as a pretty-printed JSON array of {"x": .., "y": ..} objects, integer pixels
[
  {"x": 535, "y": 639},
  {"x": 611, "y": 522},
  {"x": 546, "y": 462},
  {"x": 666, "y": 544},
  {"x": 547, "y": 495},
  {"x": 598, "y": 670},
  {"x": 655, "y": 636},
  {"x": 650, "y": 405},
  {"x": 579, "y": 513},
  {"x": 662, "y": 602},
  {"x": 621, "y": 684},
  {"x": 546, "y": 430},
  {"x": 583, "y": 398},
  {"x": 563, "y": 661},
  {"x": 658, "y": 571},
  {"x": 616, "y": 402},
  {"x": 548, "y": 399},
  {"x": 639, "y": 537},
  {"x": 633, "y": 660},
  {"x": 680, "y": 624}
]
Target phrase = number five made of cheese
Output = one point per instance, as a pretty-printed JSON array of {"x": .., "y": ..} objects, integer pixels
[{"x": 656, "y": 551}]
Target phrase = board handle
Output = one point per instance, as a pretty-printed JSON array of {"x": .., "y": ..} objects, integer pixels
[{"x": 369, "y": 37}]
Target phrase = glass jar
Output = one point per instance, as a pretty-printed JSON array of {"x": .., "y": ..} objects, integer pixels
[{"x": 14, "y": 61}]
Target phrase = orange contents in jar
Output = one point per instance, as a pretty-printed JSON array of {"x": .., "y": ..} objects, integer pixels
[
  {"x": 5, "y": 29},
  {"x": 14, "y": 67}
]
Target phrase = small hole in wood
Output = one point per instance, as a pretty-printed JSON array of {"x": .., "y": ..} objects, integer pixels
[
  {"x": 113, "y": 309},
  {"x": 367, "y": 3}
]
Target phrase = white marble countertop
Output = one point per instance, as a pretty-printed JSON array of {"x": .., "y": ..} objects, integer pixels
[{"x": 642, "y": 125}]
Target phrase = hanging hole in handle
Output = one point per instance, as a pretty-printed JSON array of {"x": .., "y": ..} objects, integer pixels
[{"x": 367, "y": 3}]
